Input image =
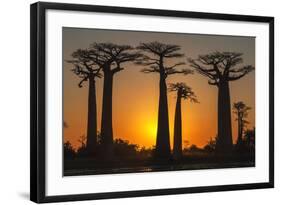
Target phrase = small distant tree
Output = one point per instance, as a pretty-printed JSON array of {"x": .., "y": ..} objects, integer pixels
[
  {"x": 186, "y": 93},
  {"x": 221, "y": 68},
  {"x": 87, "y": 70},
  {"x": 154, "y": 56},
  {"x": 240, "y": 109},
  {"x": 82, "y": 150}
]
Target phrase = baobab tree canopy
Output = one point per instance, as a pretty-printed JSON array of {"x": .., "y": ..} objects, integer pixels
[
  {"x": 159, "y": 52},
  {"x": 222, "y": 68},
  {"x": 185, "y": 91},
  {"x": 109, "y": 54},
  {"x": 84, "y": 66},
  {"x": 241, "y": 110}
]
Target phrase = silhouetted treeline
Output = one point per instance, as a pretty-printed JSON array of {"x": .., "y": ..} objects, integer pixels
[
  {"x": 121, "y": 149},
  {"x": 125, "y": 150}
]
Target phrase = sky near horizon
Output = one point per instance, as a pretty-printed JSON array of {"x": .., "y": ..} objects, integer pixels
[{"x": 135, "y": 94}]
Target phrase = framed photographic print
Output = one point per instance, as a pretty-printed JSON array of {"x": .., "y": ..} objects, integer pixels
[{"x": 129, "y": 102}]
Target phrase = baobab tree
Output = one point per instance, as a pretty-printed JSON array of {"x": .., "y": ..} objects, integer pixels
[
  {"x": 221, "y": 68},
  {"x": 88, "y": 71},
  {"x": 240, "y": 109},
  {"x": 154, "y": 55},
  {"x": 109, "y": 57},
  {"x": 186, "y": 93}
]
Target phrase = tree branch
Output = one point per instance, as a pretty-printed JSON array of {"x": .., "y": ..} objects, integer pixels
[
  {"x": 117, "y": 69},
  {"x": 197, "y": 66},
  {"x": 183, "y": 91},
  {"x": 150, "y": 70},
  {"x": 213, "y": 82},
  {"x": 243, "y": 71},
  {"x": 203, "y": 71},
  {"x": 175, "y": 65},
  {"x": 146, "y": 63},
  {"x": 183, "y": 71},
  {"x": 81, "y": 82},
  {"x": 174, "y": 55}
]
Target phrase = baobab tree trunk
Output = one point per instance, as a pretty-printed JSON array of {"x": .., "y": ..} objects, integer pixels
[
  {"x": 163, "y": 139},
  {"x": 92, "y": 117},
  {"x": 177, "y": 149},
  {"x": 106, "y": 121},
  {"x": 224, "y": 140},
  {"x": 240, "y": 130}
]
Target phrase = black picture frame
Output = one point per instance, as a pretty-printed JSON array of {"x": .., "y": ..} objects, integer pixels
[{"x": 38, "y": 97}]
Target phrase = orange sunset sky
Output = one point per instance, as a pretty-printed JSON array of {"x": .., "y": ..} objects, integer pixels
[{"x": 135, "y": 94}]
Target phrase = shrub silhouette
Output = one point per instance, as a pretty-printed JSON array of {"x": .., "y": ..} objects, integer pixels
[
  {"x": 210, "y": 146},
  {"x": 193, "y": 148},
  {"x": 123, "y": 149},
  {"x": 68, "y": 151},
  {"x": 250, "y": 139},
  {"x": 82, "y": 151},
  {"x": 146, "y": 153},
  {"x": 248, "y": 143}
]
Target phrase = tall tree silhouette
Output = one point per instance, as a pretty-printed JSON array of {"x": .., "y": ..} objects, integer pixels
[
  {"x": 221, "y": 68},
  {"x": 109, "y": 57},
  {"x": 88, "y": 71},
  {"x": 240, "y": 109},
  {"x": 183, "y": 92},
  {"x": 154, "y": 55}
]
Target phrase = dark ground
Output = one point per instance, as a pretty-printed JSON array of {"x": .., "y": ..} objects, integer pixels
[{"x": 84, "y": 166}]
